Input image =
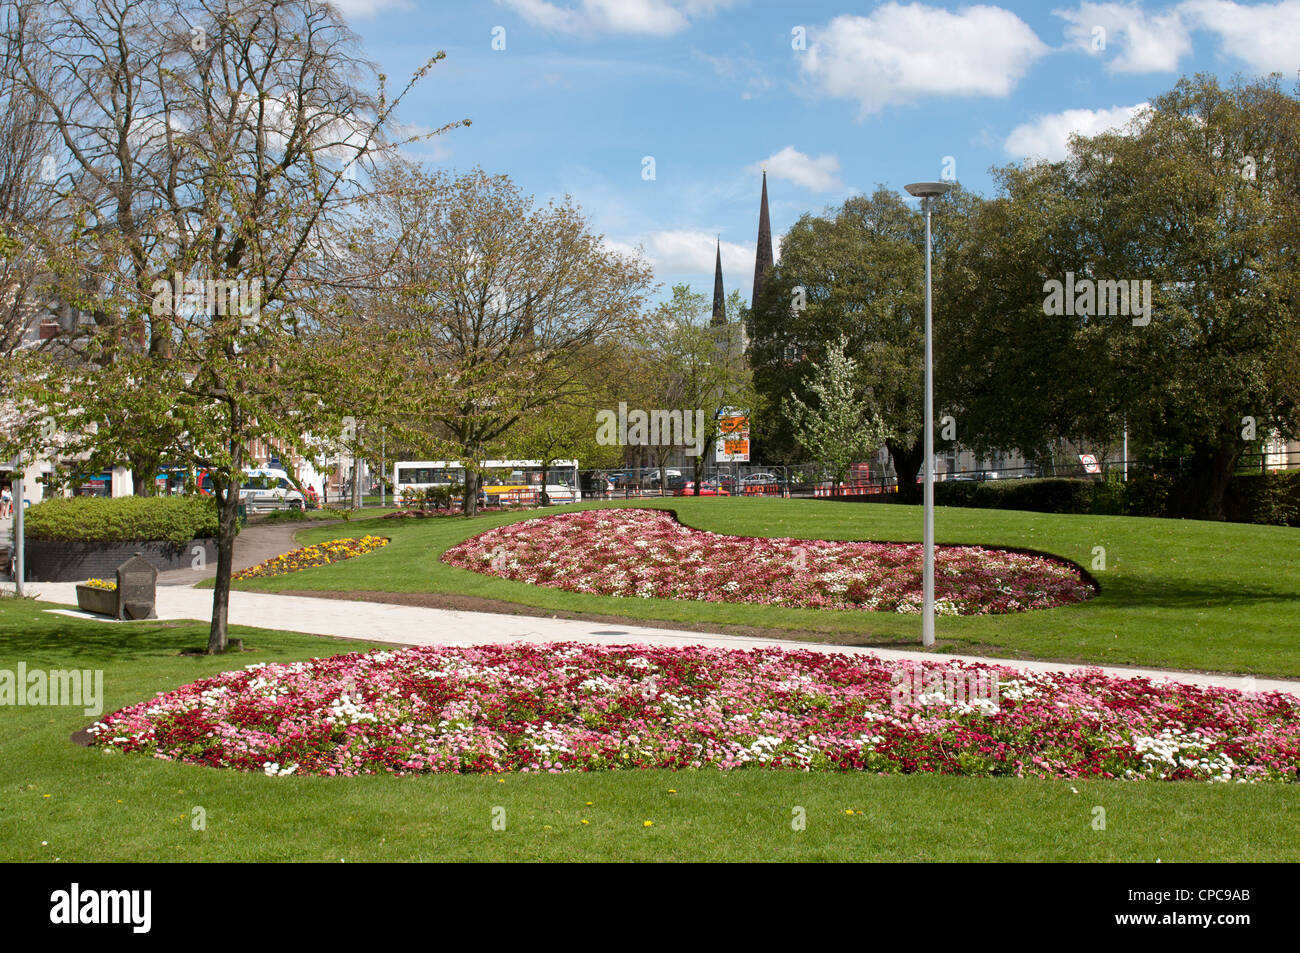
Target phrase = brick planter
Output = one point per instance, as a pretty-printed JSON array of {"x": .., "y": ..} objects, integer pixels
[{"x": 63, "y": 561}]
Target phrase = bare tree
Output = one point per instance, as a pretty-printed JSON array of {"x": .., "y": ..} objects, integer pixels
[
  {"x": 210, "y": 144},
  {"x": 488, "y": 307},
  {"x": 27, "y": 169}
]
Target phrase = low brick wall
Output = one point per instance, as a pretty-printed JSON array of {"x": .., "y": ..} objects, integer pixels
[{"x": 62, "y": 561}]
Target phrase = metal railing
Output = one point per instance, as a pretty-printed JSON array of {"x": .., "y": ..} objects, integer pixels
[{"x": 816, "y": 480}]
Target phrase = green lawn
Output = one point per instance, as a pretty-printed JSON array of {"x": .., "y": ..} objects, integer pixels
[
  {"x": 86, "y": 806},
  {"x": 1175, "y": 593}
]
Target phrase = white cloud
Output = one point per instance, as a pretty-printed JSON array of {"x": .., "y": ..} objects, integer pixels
[
  {"x": 689, "y": 251},
  {"x": 902, "y": 53},
  {"x": 1134, "y": 41},
  {"x": 646, "y": 17},
  {"x": 821, "y": 174},
  {"x": 1046, "y": 137},
  {"x": 1264, "y": 36},
  {"x": 684, "y": 251}
]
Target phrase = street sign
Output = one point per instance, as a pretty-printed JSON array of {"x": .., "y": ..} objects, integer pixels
[
  {"x": 1090, "y": 464},
  {"x": 733, "y": 437}
]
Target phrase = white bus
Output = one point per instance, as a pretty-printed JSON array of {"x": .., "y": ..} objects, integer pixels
[{"x": 501, "y": 481}]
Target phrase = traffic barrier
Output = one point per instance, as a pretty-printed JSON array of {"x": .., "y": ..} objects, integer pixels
[
  {"x": 516, "y": 497},
  {"x": 848, "y": 489}
]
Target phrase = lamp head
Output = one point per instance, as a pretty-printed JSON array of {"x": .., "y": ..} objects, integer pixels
[{"x": 927, "y": 190}]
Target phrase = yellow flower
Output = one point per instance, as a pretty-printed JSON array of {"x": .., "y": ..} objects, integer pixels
[{"x": 648, "y": 824}]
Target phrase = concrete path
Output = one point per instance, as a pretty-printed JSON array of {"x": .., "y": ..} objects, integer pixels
[
  {"x": 413, "y": 625},
  {"x": 255, "y": 543}
]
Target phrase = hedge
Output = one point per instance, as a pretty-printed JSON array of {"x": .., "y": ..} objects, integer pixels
[
  {"x": 1272, "y": 497},
  {"x": 1050, "y": 495},
  {"x": 91, "y": 519}
]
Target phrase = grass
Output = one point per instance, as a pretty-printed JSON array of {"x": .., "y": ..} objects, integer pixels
[
  {"x": 1179, "y": 594},
  {"x": 61, "y": 801}
]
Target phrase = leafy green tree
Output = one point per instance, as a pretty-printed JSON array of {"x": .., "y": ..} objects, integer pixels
[
  {"x": 485, "y": 308},
  {"x": 839, "y": 427},
  {"x": 1198, "y": 196},
  {"x": 856, "y": 273},
  {"x": 559, "y": 431},
  {"x": 1012, "y": 377},
  {"x": 698, "y": 366}
]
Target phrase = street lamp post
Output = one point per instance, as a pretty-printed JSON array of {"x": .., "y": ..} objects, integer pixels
[
  {"x": 20, "y": 543},
  {"x": 927, "y": 192}
]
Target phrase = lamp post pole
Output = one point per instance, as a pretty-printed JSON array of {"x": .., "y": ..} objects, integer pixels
[
  {"x": 928, "y": 192},
  {"x": 20, "y": 555}
]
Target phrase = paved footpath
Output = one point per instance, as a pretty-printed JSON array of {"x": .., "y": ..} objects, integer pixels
[
  {"x": 255, "y": 543},
  {"x": 414, "y": 625}
]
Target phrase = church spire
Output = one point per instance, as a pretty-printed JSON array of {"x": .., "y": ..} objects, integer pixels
[
  {"x": 719, "y": 308},
  {"x": 763, "y": 256}
]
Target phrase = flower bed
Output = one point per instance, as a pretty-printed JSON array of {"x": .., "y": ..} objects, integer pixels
[
  {"x": 646, "y": 553},
  {"x": 309, "y": 557},
  {"x": 569, "y": 707}
]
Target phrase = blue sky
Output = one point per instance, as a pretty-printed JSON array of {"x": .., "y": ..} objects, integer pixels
[{"x": 713, "y": 90}]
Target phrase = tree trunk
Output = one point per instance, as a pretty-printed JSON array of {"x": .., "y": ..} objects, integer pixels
[
  {"x": 227, "y": 494},
  {"x": 907, "y": 460},
  {"x": 1214, "y": 468},
  {"x": 143, "y": 470},
  {"x": 470, "y": 503},
  {"x": 545, "y": 498}
]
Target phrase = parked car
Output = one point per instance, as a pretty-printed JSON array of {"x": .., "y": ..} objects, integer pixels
[
  {"x": 761, "y": 479},
  {"x": 706, "y": 489},
  {"x": 673, "y": 476}
]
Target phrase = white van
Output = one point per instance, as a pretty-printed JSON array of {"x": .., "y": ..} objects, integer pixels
[{"x": 269, "y": 489}]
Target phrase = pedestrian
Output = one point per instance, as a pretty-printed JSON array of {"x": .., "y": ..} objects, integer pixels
[{"x": 6, "y": 502}]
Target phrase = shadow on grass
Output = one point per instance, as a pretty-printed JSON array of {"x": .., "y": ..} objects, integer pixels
[
  {"x": 29, "y": 632},
  {"x": 1152, "y": 592}
]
